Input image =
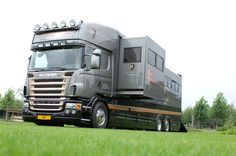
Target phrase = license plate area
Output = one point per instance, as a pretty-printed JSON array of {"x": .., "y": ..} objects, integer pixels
[{"x": 44, "y": 117}]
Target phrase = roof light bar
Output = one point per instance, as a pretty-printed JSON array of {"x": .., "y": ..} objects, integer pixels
[{"x": 54, "y": 26}]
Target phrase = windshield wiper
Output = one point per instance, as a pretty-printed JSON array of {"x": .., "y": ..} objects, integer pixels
[
  {"x": 37, "y": 69},
  {"x": 56, "y": 68}
]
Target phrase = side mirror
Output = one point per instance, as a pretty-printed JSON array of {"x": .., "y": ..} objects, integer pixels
[
  {"x": 95, "y": 59},
  {"x": 97, "y": 52},
  {"x": 30, "y": 58}
]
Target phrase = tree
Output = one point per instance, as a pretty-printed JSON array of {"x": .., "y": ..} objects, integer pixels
[
  {"x": 0, "y": 101},
  {"x": 9, "y": 100},
  {"x": 231, "y": 120},
  {"x": 187, "y": 115},
  {"x": 201, "y": 112},
  {"x": 219, "y": 110}
]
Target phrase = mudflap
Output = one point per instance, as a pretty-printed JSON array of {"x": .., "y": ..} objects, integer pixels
[{"x": 182, "y": 128}]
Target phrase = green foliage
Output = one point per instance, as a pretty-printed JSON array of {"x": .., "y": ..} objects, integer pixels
[
  {"x": 201, "y": 112},
  {"x": 231, "y": 116},
  {"x": 20, "y": 139},
  {"x": 219, "y": 110},
  {"x": 187, "y": 115},
  {"x": 231, "y": 131},
  {"x": 220, "y": 116},
  {"x": 224, "y": 128},
  {"x": 9, "y": 100},
  {"x": 190, "y": 129}
]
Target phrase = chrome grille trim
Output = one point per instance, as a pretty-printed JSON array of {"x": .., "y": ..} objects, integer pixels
[
  {"x": 47, "y": 94},
  {"x": 41, "y": 109}
]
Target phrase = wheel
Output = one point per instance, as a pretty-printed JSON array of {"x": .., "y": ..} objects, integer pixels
[
  {"x": 167, "y": 125},
  {"x": 100, "y": 116},
  {"x": 159, "y": 124}
]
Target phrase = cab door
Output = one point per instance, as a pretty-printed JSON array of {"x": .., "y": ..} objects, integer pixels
[{"x": 98, "y": 81}]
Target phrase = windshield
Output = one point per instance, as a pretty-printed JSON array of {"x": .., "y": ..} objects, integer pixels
[{"x": 57, "y": 59}]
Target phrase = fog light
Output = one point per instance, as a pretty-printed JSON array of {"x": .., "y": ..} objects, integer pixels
[
  {"x": 63, "y": 24},
  {"x": 54, "y": 25},
  {"x": 37, "y": 28},
  {"x": 45, "y": 26},
  {"x": 73, "y": 111},
  {"x": 72, "y": 23},
  {"x": 67, "y": 111}
]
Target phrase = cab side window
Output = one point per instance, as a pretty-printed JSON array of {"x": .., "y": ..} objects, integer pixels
[
  {"x": 88, "y": 58},
  {"x": 104, "y": 58},
  {"x": 104, "y": 61}
]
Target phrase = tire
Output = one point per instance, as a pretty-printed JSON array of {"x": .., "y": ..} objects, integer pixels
[
  {"x": 159, "y": 124},
  {"x": 167, "y": 125},
  {"x": 99, "y": 116}
]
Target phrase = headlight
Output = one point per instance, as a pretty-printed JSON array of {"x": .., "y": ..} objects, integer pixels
[
  {"x": 73, "y": 106},
  {"x": 70, "y": 105}
]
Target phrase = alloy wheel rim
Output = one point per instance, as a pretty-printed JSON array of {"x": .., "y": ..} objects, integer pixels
[{"x": 100, "y": 116}]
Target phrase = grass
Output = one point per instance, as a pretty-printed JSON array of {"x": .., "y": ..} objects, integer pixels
[{"x": 22, "y": 139}]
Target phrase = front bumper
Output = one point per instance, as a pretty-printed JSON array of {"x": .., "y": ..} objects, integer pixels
[{"x": 68, "y": 116}]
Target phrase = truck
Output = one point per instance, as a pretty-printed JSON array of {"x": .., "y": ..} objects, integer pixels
[{"x": 87, "y": 74}]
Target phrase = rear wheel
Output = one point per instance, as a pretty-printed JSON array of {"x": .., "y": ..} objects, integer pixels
[
  {"x": 167, "y": 125},
  {"x": 159, "y": 124},
  {"x": 100, "y": 116}
]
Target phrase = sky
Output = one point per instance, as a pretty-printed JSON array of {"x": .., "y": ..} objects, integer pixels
[{"x": 199, "y": 37}]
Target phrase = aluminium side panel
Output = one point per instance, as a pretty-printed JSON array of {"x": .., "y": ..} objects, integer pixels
[
  {"x": 154, "y": 71},
  {"x": 131, "y": 66},
  {"x": 173, "y": 89}
]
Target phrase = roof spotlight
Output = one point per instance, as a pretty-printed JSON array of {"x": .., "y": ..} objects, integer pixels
[
  {"x": 54, "y": 25},
  {"x": 63, "y": 24},
  {"x": 72, "y": 23},
  {"x": 37, "y": 27},
  {"x": 45, "y": 26}
]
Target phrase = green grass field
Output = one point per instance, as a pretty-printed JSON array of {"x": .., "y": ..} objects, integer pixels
[{"x": 23, "y": 139}]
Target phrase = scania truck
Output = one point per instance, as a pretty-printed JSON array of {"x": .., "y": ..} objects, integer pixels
[{"x": 89, "y": 74}]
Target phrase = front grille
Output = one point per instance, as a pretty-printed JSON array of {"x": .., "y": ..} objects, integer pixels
[{"x": 47, "y": 94}]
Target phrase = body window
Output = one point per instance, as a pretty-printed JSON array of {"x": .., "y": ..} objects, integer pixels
[
  {"x": 151, "y": 57},
  {"x": 159, "y": 62},
  {"x": 132, "y": 55},
  {"x": 169, "y": 82},
  {"x": 173, "y": 85}
]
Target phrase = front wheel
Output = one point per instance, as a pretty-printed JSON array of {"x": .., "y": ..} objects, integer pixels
[{"x": 99, "y": 116}]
